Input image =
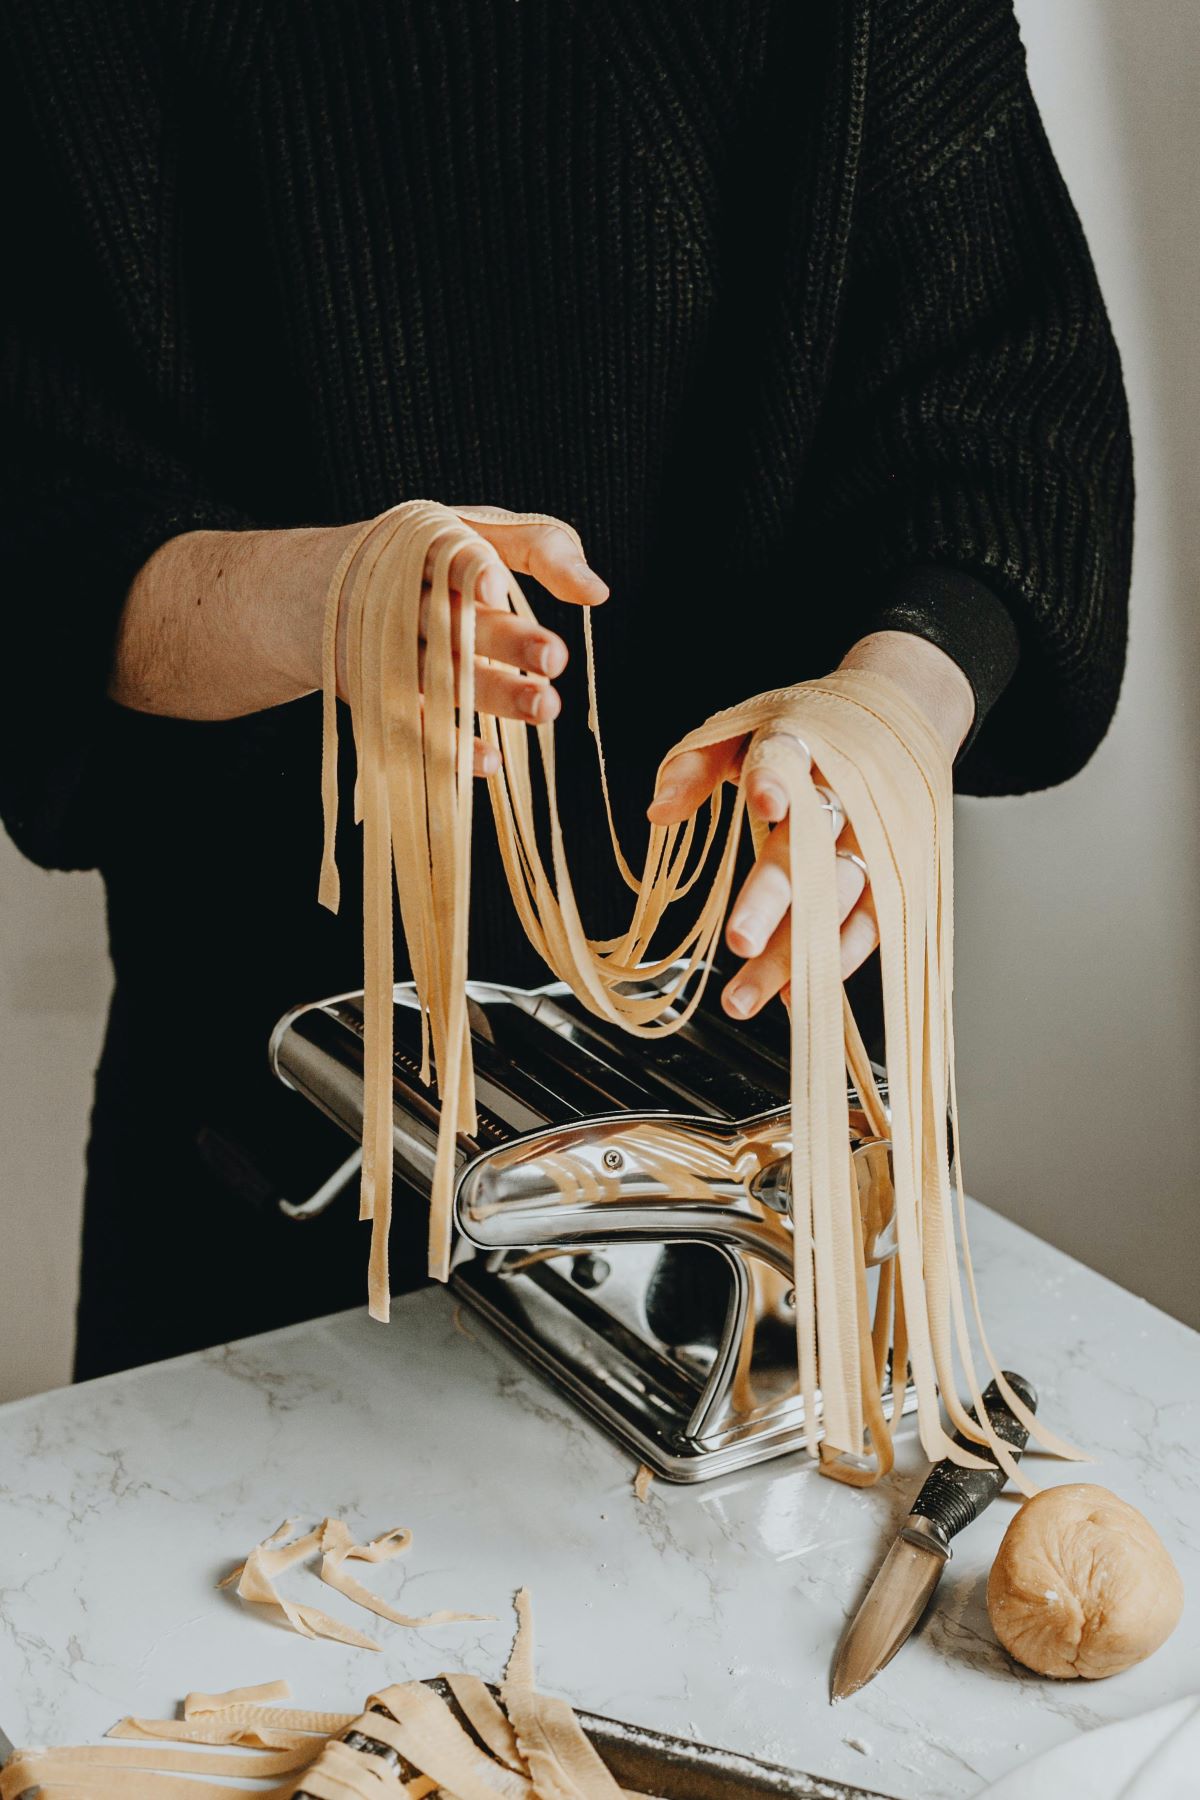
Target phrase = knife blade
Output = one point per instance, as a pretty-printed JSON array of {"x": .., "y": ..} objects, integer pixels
[{"x": 949, "y": 1500}]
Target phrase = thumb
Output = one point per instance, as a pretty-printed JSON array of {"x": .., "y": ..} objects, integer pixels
[{"x": 687, "y": 780}]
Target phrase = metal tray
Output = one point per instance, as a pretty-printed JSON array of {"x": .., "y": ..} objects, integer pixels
[{"x": 661, "y": 1767}]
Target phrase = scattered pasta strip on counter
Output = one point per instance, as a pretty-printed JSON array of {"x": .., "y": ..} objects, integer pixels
[
  {"x": 255, "y": 1579},
  {"x": 562, "y": 1761},
  {"x": 339, "y": 1548},
  {"x": 407, "y": 1741}
]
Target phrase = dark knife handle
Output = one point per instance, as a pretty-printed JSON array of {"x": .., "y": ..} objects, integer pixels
[{"x": 953, "y": 1496}]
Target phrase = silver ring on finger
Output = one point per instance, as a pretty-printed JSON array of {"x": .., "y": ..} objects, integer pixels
[
  {"x": 851, "y": 857},
  {"x": 760, "y": 751},
  {"x": 833, "y": 806}
]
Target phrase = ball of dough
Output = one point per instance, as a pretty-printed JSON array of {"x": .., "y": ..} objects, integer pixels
[{"x": 1082, "y": 1584}]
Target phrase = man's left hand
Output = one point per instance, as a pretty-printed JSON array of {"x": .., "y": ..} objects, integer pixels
[{"x": 758, "y": 929}]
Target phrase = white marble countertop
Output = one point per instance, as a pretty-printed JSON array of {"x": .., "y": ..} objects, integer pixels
[{"x": 709, "y": 1611}]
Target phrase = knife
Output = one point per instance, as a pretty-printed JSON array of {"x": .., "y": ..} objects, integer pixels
[{"x": 951, "y": 1497}]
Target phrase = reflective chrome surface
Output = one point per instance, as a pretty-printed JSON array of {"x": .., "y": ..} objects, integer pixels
[{"x": 628, "y": 1200}]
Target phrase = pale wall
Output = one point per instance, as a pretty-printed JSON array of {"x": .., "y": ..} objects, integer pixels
[
  {"x": 1079, "y": 924},
  {"x": 54, "y": 981},
  {"x": 1079, "y": 910}
]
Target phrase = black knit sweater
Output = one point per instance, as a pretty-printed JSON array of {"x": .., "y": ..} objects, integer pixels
[
  {"x": 784, "y": 305},
  {"x": 777, "y": 302}
]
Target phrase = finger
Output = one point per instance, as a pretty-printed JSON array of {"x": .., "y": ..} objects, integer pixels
[
  {"x": 835, "y": 811},
  {"x": 550, "y": 555},
  {"x": 507, "y": 639},
  {"x": 505, "y": 691},
  {"x": 760, "y": 979},
  {"x": 766, "y": 895},
  {"x": 860, "y": 935},
  {"x": 491, "y": 592},
  {"x": 850, "y": 884},
  {"x": 475, "y": 562},
  {"x": 764, "y": 900},
  {"x": 486, "y": 758},
  {"x": 832, "y": 807},
  {"x": 687, "y": 781},
  {"x": 500, "y": 635},
  {"x": 766, "y": 796},
  {"x": 765, "y": 761},
  {"x": 492, "y": 588},
  {"x": 767, "y": 975},
  {"x": 513, "y": 696}
]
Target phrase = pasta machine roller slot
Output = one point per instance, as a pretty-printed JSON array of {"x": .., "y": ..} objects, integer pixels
[{"x": 622, "y": 1209}]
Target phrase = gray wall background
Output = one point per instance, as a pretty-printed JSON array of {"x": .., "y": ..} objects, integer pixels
[{"x": 1078, "y": 918}]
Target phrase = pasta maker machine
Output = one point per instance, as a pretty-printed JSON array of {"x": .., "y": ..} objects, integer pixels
[{"x": 622, "y": 1211}]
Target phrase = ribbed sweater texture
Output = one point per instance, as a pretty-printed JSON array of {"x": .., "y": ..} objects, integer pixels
[
  {"x": 785, "y": 306},
  {"x": 779, "y": 304}
]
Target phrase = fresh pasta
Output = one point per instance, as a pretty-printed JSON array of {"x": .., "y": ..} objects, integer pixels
[
  {"x": 409, "y": 1741},
  {"x": 413, "y": 725},
  {"x": 255, "y": 1580}
]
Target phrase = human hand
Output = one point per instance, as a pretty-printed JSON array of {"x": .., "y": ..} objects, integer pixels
[
  {"x": 758, "y": 928},
  {"x": 517, "y": 660},
  {"x": 218, "y": 624}
]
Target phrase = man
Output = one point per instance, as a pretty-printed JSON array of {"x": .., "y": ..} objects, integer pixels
[{"x": 785, "y": 308}]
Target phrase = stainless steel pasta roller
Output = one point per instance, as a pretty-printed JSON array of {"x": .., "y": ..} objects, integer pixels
[{"x": 622, "y": 1209}]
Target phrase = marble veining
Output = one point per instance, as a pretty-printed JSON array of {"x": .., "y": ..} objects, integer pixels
[{"x": 711, "y": 1612}]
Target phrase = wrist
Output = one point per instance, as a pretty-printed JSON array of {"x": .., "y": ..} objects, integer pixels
[
  {"x": 218, "y": 624},
  {"x": 932, "y": 679},
  {"x": 292, "y": 571}
]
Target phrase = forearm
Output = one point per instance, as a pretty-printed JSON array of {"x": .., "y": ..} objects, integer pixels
[
  {"x": 931, "y": 677},
  {"x": 221, "y": 623},
  {"x": 217, "y": 624}
]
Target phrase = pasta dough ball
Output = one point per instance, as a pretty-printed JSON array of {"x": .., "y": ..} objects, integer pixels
[{"x": 1082, "y": 1584}]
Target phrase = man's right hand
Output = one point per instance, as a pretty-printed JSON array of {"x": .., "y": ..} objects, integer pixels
[{"x": 218, "y": 624}]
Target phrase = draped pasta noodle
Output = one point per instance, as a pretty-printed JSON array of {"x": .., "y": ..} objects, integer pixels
[{"x": 413, "y": 729}]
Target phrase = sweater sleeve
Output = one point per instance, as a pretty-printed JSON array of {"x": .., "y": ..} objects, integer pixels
[
  {"x": 101, "y": 430},
  {"x": 973, "y": 480}
]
